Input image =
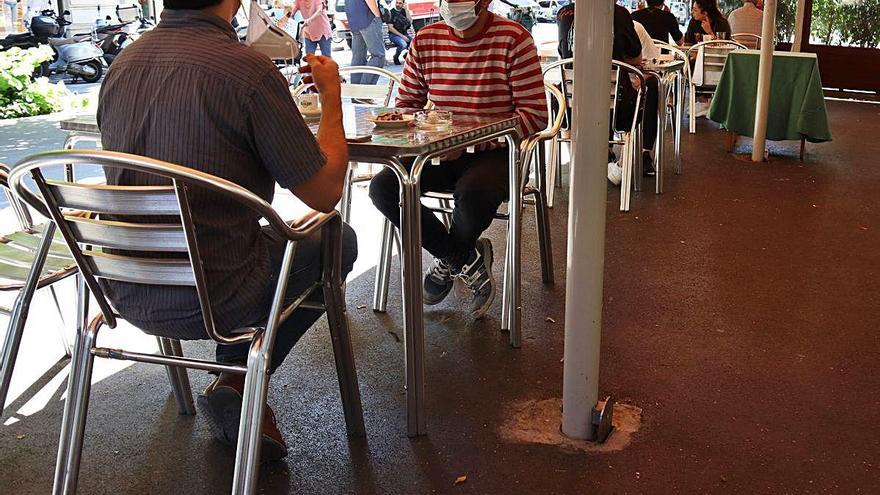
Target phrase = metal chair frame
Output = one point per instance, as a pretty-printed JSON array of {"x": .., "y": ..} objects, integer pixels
[
  {"x": 530, "y": 149},
  {"x": 358, "y": 91},
  {"x": 23, "y": 261},
  {"x": 723, "y": 46},
  {"x": 87, "y": 238},
  {"x": 678, "y": 90},
  {"x": 749, "y": 38}
]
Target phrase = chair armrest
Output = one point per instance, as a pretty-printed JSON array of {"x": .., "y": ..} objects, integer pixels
[{"x": 305, "y": 225}]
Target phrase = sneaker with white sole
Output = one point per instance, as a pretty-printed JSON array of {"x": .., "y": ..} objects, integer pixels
[
  {"x": 438, "y": 282},
  {"x": 615, "y": 173},
  {"x": 477, "y": 274}
]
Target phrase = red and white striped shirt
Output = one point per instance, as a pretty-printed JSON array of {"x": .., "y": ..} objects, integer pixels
[{"x": 496, "y": 71}]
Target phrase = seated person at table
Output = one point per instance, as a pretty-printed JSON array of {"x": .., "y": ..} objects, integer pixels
[
  {"x": 473, "y": 62},
  {"x": 188, "y": 92},
  {"x": 398, "y": 28},
  {"x": 627, "y": 48},
  {"x": 747, "y": 19},
  {"x": 661, "y": 24},
  {"x": 706, "y": 20}
]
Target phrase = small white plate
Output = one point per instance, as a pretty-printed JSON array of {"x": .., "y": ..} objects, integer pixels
[
  {"x": 311, "y": 115},
  {"x": 407, "y": 119}
]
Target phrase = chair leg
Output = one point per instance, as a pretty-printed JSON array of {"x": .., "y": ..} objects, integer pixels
[
  {"x": 637, "y": 168},
  {"x": 345, "y": 202},
  {"x": 337, "y": 320},
  {"x": 79, "y": 383},
  {"x": 178, "y": 377},
  {"x": 542, "y": 219},
  {"x": 693, "y": 108},
  {"x": 559, "y": 167},
  {"x": 253, "y": 406},
  {"x": 626, "y": 173},
  {"x": 383, "y": 268},
  {"x": 505, "y": 289},
  {"x": 555, "y": 159},
  {"x": 62, "y": 334},
  {"x": 19, "y": 315}
]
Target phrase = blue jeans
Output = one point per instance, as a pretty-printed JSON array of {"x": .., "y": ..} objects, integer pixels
[
  {"x": 324, "y": 43},
  {"x": 368, "y": 41},
  {"x": 306, "y": 270},
  {"x": 402, "y": 43}
]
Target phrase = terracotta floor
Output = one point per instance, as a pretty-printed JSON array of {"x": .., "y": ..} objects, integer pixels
[{"x": 741, "y": 317}]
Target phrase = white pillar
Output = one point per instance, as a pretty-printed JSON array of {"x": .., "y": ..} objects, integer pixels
[
  {"x": 765, "y": 70},
  {"x": 586, "y": 216},
  {"x": 798, "y": 44}
]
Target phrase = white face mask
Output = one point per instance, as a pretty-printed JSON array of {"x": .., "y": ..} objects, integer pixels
[{"x": 460, "y": 15}]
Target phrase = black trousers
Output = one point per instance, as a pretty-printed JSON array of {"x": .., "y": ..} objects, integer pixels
[
  {"x": 626, "y": 106},
  {"x": 479, "y": 183}
]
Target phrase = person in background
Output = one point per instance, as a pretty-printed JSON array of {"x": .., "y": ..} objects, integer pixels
[
  {"x": 474, "y": 62},
  {"x": 367, "y": 37},
  {"x": 706, "y": 20},
  {"x": 398, "y": 28},
  {"x": 659, "y": 23},
  {"x": 11, "y": 15},
  {"x": 316, "y": 25},
  {"x": 747, "y": 19},
  {"x": 229, "y": 114}
]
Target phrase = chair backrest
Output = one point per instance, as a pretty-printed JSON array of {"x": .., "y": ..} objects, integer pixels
[
  {"x": 626, "y": 73},
  {"x": 382, "y": 91},
  {"x": 142, "y": 225},
  {"x": 748, "y": 39},
  {"x": 714, "y": 55},
  {"x": 565, "y": 78}
]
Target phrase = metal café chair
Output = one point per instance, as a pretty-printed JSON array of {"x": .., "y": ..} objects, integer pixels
[
  {"x": 677, "y": 91},
  {"x": 710, "y": 58},
  {"x": 145, "y": 260},
  {"x": 29, "y": 260},
  {"x": 380, "y": 92},
  {"x": 554, "y": 171},
  {"x": 748, "y": 39},
  {"x": 630, "y": 138},
  {"x": 532, "y": 196}
]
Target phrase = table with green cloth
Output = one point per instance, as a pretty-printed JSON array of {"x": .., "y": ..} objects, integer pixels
[{"x": 797, "y": 106}]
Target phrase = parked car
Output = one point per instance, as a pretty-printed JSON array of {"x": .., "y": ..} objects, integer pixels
[{"x": 524, "y": 12}]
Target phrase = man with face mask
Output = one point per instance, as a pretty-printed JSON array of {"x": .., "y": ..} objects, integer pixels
[
  {"x": 188, "y": 92},
  {"x": 472, "y": 62}
]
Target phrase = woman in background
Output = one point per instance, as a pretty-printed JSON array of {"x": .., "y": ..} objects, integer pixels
[
  {"x": 316, "y": 25},
  {"x": 707, "y": 19}
]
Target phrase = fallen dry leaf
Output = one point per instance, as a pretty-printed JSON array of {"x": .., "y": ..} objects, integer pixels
[
  {"x": 19, "y": 437},
  {"x": 549, "y": 320},
  {"x": 461, "y": 479},
  {"x": 361, "y": 306},
  {"x": 396, "y": 337}
]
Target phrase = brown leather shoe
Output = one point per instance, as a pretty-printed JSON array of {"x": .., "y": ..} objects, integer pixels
[{"x": 221, "y": 405}]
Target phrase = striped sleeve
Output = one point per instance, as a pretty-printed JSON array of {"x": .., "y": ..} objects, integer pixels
[
  {"x": 413, "y": 92},
  {"x": 527, "y": 85}
]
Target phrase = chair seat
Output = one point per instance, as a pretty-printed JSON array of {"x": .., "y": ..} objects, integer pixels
[{"x": 17, "y": 252}]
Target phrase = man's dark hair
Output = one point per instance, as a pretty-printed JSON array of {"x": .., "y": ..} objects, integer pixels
[
  {"x": 655, "y": 3},
  {"x": 190, "y": 4}
]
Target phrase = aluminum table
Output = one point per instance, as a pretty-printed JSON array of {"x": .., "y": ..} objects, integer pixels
[
  {"x": 667, "y": 72},
  {"x": 370, "y": 144}
]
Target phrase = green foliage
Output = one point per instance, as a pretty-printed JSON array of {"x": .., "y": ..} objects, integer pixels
[{"x": 23, "y": 96}]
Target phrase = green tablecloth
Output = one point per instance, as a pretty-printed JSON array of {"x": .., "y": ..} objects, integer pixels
[{"x": 797, "y": 107}]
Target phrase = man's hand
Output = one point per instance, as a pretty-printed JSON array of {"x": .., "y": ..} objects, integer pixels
[{"x": 324, "y": 73}]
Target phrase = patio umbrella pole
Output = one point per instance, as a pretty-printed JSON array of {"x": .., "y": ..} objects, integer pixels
[
  {"x": 586, "y": 222},
  {"x": 765, "y": 71}
]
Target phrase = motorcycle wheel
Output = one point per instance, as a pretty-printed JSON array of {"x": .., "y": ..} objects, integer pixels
[{"x": 97, "y": 67}]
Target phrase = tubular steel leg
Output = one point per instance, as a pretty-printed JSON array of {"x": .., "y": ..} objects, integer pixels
[
  {"x": 693, "y": 108},
  {"x": 542, "y": 219},
  {"x": 676, "y": 124},
  {"x": 414, "y": 336},
  {"x": 178, "y": 377},
  {"x": 62, "y": 333},
  {"x": 345, "y": 202},
  {"x": 19, "y": 315},
  {"x": 513, "y": 241},
  {"x": 76, "y": 406},
  {"x": 253, "y": 405},
  {"x": 660, "y": 154},
  {"x": 505, "y": 289},
  {"x": 639, "y": 147},
  {"x": 555, "y": 164},
  {"x": 383, "y": 268},
  {"x": 337, "y": 320}
]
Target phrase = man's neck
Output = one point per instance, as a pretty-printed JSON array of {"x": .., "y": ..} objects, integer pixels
[
  {"x": 222, "y": 10},
  {"x": 476, "y": 28}
]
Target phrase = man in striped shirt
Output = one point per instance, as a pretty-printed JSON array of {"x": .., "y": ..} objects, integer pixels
[{"x": 472, "y": 62}]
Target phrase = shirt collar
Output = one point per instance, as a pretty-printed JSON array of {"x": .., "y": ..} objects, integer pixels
[{"x": 177, "y": 18}]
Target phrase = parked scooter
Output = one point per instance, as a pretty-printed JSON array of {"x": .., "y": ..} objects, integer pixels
[{"x": 74, "y": 56}]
